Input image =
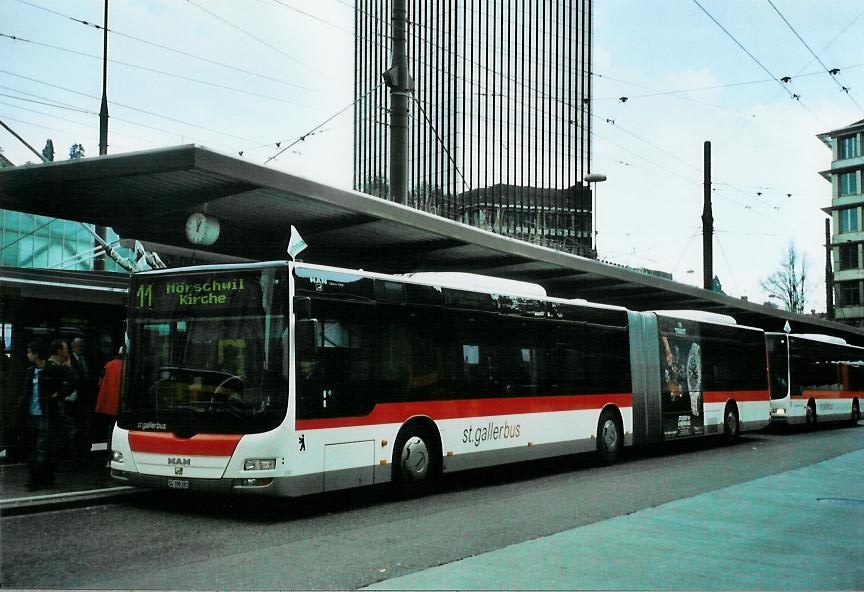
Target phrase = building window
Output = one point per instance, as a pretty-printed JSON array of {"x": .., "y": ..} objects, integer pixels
[
  {"x": 848, "y": 256},
  {"x": 849, "y": 293},
  {"x": 849, "y": 147},
  {"x": 848, "y": 220},
  {"x": 848, "y": 183}
]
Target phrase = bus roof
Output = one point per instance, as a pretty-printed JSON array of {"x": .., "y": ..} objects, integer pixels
[
  {"x": 820, "y": 337},
  {"x": 499, "y": 286},
  {"x": 698, "y": 315},
  {"x": 476, "y": 282}
]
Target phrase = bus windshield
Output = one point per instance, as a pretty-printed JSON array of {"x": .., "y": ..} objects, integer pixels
[{"x": 207, "y": 353}]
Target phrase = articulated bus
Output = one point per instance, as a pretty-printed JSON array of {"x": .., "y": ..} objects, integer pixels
[
  {"x": 287, "y": 378},
  {"x": 814, "y": 378}
]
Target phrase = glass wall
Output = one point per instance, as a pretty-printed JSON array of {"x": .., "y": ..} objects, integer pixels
[{"x": 31, "y": 241}]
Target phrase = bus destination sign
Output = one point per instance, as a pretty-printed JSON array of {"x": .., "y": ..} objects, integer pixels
[{"x": 174, "y": 293}]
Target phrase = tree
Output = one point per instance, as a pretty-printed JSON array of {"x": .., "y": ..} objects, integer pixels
[
  {"x": 76, "y": 151},
  {"x": 376, "y": 185},
  {"x": 48, "y": 150},
  {"x": 789, "y": 283}
]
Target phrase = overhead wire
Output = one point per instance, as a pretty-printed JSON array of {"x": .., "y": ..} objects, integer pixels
[
  {"x": 816, "y": 57},
  {"x": 323, "y": 123},
  {"x": 130, "y": 107},
  {"x": 161, "y": 72},
  {"x": 173, "y": 49},
  {"x": 755, "y": 59}
]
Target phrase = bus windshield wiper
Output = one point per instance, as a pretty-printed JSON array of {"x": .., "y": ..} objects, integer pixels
[{"x": 232, "y": 407}]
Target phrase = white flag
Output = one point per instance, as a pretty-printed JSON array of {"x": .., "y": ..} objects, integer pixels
[
  {"x": 295, "y": 244},
  {"x": 141, "y": 257}
]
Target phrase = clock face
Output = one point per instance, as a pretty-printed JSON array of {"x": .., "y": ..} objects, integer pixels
[{"x": 202, "y": 229}]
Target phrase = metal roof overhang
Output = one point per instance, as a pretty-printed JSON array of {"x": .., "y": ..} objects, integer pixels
[
  {"x": 66, "y": 286},
  {"x": 148, "y": 196}
]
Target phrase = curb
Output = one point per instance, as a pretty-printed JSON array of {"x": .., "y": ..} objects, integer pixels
[{"x": 57, "y": 501}]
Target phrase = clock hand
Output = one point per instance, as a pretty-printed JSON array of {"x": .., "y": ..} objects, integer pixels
[{"x": 198, "y": 227}]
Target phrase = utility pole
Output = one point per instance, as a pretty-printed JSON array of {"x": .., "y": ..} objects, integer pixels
[
  {"x": 707, "y": 225},
  {"x": 400, "y": 84},
  {"x": 101, "y": 231},
  {"x": 829, "y": 275}
]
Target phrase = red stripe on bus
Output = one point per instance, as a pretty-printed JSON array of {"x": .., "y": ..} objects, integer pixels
[
  {"x": 830, "y": 395},
  {"x": 741, "y": 396},
  {"x": 198, "y": 445},
  {"x": 399, "y": 412}
]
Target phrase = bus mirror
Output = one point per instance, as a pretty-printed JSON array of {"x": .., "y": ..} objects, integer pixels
[
  {"x": 302, "y": 307},
  {"x": 306, "y": 334}
]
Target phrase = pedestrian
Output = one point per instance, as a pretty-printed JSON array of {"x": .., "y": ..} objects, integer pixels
[
  {"x": 47, "y": 383},
  {"x": 80, "y": 407},
  {"x": 59, "y": 369},
  {"x": 108, "y": 399}
]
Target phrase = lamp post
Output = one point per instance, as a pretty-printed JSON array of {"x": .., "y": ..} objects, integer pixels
[{"x": 594, "y": 178}]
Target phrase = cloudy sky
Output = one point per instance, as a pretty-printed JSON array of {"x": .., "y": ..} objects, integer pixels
[{"x": 241, "y": 76}]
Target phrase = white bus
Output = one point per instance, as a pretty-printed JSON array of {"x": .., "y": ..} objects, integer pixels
[
  {"x": 288, "y": 379},
  {"x": 814, "y": 378}
]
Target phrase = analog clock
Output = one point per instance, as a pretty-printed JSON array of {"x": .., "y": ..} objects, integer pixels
[{"x": 202, "y": 229}]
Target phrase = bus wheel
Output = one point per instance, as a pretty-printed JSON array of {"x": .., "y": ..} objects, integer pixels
[
  {"x": 610, "y": 437},
  {"x": 415, "y": 462},
  {"x": 731, "y": 425},
  {"x": 810, "y": 414},
  {"x": 856, "y": 412}
]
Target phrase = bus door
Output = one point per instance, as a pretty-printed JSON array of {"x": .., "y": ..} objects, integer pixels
[{"x": 645, "y": 368}]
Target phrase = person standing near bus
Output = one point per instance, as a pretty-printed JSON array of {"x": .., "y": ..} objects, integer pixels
[
  {"x": 48, "y": 381},
  {"x": 79, "y": 405},
  {"x": 108, "y": 399}
]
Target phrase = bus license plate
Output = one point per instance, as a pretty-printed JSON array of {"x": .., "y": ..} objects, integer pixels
[{"x": 178, "y": 484}]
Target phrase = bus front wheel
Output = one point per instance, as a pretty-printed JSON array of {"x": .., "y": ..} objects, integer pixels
[
  {"x": 416, "y": 462},
  {"x": 610, "y": 437}
]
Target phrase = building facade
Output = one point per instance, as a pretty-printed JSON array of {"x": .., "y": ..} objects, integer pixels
[
  {"x": 500, "y": 113},
  {"x": 847, "y": 236}
]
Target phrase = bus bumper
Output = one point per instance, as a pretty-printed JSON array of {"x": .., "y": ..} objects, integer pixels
[{"x": 276, "y": 486}]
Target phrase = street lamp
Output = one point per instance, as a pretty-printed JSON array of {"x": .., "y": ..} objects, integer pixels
[{"x": 594, "y": 178}]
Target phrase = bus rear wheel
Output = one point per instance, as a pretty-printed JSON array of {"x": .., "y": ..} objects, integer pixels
[
  {"x": 731, "y": 424},
  {"x": 610, "y": 437},
  {"x": 416, "y": 462},
  {"x": 810, "y": 414}
]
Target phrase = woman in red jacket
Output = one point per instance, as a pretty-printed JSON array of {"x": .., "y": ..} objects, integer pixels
[{"x": 108, "y": 399}]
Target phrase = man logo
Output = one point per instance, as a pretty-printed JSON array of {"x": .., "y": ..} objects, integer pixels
[
  {"x": 186, "y": 462},
  {"x": 178, "y": 470}
]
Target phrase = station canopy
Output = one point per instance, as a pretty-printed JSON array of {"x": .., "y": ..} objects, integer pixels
[{"x": 150, "y": 195}]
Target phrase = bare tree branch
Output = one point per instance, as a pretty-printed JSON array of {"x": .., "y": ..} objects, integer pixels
[{"x": 789, "y": 283}]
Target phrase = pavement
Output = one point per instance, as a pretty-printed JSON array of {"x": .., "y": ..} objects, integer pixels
[
  {"x": 801, "y": 529},
  {"x": 75, "y": 484}
]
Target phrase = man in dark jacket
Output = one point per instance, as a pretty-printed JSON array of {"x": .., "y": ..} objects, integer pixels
[{"x": 47, "y": 382}]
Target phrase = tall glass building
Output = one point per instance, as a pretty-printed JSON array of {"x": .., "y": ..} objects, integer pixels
[{"x": 500, "y": 113}]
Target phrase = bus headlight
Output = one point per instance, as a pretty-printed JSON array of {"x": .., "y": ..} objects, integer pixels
[
  {"x": 780, "y": 411},
  {"x": 117, "y": 456},
  {"x": 259, "y": 464}
]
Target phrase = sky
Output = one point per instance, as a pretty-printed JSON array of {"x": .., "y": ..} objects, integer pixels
[{"x": 240, "y": 77}]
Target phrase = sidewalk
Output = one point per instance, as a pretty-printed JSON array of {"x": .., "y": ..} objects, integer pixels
[
  {"x": 801, "y": 529},
  {"x": 73, "y": 486}
]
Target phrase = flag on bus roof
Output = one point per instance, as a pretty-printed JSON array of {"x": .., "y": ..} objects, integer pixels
[
  {"x": 295, "y": 244},
  {"x": 141, "y": 263}
]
